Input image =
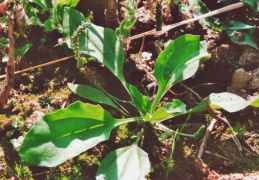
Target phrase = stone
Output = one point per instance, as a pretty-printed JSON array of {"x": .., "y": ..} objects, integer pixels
[
  {"x": 250, "y": 56},
  {"x": 240, "y": 80},
  {"x": 254, "y": 83}
]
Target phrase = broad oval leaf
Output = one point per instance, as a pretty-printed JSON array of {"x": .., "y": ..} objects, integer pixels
[
  {"x": 125, "y": 163},
  {"x": 179, "y": 61},
  {"x": 231, "y": 102},
  {"x": 105, "y": 46},
  {"x": 91, "y": 93},
  {"x": 66, "y": 133},
  {"x": 227, "y": 101}
]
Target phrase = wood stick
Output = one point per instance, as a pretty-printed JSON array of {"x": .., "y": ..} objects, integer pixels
[
  {"x": 41, "y": 65},
  {"x": 172, "y": 26},
  {"x": 9, "y": 80}
]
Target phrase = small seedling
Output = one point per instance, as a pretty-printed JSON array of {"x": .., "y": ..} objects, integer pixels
[
  {"x": 44, "y": 101},
  {"x": 17, "y": 123},
  {"x": 233, "y": 64},
  {"x": 239, "y": 129},
  {"x": 9, "y": 134}
]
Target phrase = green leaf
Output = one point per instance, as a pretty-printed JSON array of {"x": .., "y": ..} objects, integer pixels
[
  {"x": 24, "y": 49},
  {"x": 227, "y": 101},
  {"x": 183, "y": 8},
  {"x": 242, "y": 132},
  {"x": 142, "y": 103},
  {"x": 44, "y": 4},
  {"x": 238, "y": 125},
  {"x": 254, "y": 4},
  {"x": 91, "y": 93},
  {"x": 69, "y": 3},
  {"x": 231, "y": 102},
  {"x": 175, "y": 106},
  {"x": 163, "y": 112},
  {"x": 66, "y": 133},
  {"x": 130, "y": 17},
  {"x": 105, "y": 46},
  {"x": 179, "y": 61},
  {"x": 199, "y": 8},
  {"x": 235, "y": 129},
  {"x": 35, "y": 21},
  {"x": 58, "y": 7},
  {"x": 242, "y": 38},
  {"x": 71, "y": 20},
  {"x": 125, "y": 163},
  {"x": 235, "y": 25},
  {"x": 49, "y": 24}
]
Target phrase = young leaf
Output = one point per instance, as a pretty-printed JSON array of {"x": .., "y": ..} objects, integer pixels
[
  {"x": 50, "y": 24},
  {"x": 91, "y": 93},
  {"x": 129, "y": 20},
  {"x": 125, "y": 163},
  {"x": 44, "y": 4},
  {"x": 175, "y": 106},
  {"x": 58, "y": 7},
  {"x": 66, "y": 133},
  {"x": 163, "y": 112},
  {"x": 179, "y": 61},
  {"x": 242, "y": 132},
  {"x": 69, "y": 3},
  {"x": 199, "y": 8}
]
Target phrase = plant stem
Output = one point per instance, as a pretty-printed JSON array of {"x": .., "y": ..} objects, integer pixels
[
  {"x": 167, "y": 129},
  {"x": 139, "y": 137},
  {"x": 9, "y": 80},
  {"x": 172, "y": 26},
  {"x": 111, "y": 13},
  {"x": 131, "y": 119}
]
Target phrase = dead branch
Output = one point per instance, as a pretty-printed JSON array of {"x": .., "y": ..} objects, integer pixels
[
  {"x": 215, "y": 118},
  {"x": 4, "y": 6},
  {"x": 9, "y": 80},
  {"x": 39, "y": 66},
  {"x": 172, "y": 26}
]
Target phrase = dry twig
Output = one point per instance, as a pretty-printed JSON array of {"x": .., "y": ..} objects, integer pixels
[
  {"x": 9, "y": 80},
  {"x": 39, "y": 66},
  {"x": 215, "y": 118},
  {"x": 172, "y": 26}
]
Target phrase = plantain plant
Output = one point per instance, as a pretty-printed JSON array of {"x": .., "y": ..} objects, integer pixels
[{"x": 66, "y": 133}]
